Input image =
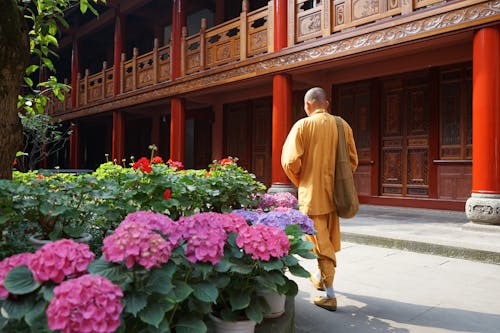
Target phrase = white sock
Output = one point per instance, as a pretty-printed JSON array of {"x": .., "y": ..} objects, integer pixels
[
  {"x": 330, "y": 293},
  {"x": 317, "y": 276}
]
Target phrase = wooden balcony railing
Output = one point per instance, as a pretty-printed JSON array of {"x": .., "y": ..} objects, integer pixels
[{"x": 247, "y": 36}]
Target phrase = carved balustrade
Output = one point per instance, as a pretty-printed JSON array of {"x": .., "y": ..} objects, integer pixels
[
  {"x": 55, "y": 106},
  {"x": 248, "y": 35}
]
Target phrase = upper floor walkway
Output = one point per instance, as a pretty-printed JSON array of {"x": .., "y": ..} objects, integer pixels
[{"x": 318, "y": 31}]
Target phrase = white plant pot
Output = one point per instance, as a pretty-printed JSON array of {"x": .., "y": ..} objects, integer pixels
[
  {"x": 242, "y": 326},
  {"x": 37, "y": 243},
  {"x": 275, "y": 301}
]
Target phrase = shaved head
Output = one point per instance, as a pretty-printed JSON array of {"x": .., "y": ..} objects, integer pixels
[{"x": 315, "y": 98}]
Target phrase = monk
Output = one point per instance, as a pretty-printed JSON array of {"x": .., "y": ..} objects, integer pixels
[{"x": 308, "y": 159}]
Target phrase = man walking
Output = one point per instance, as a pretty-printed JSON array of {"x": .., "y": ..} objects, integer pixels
[{"x": 308, "y": 159}]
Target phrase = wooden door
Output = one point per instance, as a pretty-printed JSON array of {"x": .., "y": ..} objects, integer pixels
[
  {"x": 261, "y": 140},
  {"x": 405, "y": 136},
  {"x": 237, "y": 133}
]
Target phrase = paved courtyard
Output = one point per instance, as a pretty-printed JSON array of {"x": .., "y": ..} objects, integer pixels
[{"x": 391, "y": 290}]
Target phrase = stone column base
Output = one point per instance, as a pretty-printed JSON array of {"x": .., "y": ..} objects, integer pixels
[
  {"x": 483, "y": 208},
  {"x": 276, "y": 188}
]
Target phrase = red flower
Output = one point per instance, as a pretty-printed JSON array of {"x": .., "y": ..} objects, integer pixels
[
  {"x": 168, "y": 194},
  {"x": 39, "y": 177},
  {"x": 15, "y": 162},
  {"x": 175, "y": 164},
  {"x": 157, "y": 160},
  {"x": 207, "y": 174},
  {"x": 143, "y": 165},
  {"x": 225, "y": 161}
]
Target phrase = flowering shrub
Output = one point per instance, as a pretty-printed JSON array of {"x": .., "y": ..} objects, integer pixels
[
  {"x": 282, "y": 217},
  {"x": 205, "y": 237},
  {"x": 90, "y": 303},
  {"x": 9, "y": 263},
  {"x": 57, "y": 260},
  {"x": 263, "y": 242},
  {"x": 155, "y": 275},
  {"x": 56, "y": 206},
  {"x": 279, "y": 199}
]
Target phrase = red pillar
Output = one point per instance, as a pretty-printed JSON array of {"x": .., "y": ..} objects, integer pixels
[
  {"x": 74, "y": 147},
  {"x": 178, "y": 21},
  {"x": 177, "y": 130},
  {"x": 118, "y": 140},
  {"x": 75, "y": 69},
  {"x": 486, "y": 111},
  {"x": 282, "y": 98},
  {"x": 484, "y": 204},
  {"x": 282, "y": 122},
  {"x": 118, "y": 49},
  {"x": 177, "y": 118},
  {"x": 280, "y": 24}
]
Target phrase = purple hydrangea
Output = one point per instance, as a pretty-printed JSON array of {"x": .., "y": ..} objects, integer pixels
[
  {"x": 279, "y": 199},
  {"x": 282, "y": 217},
  {"x": 250, "y": 216}
]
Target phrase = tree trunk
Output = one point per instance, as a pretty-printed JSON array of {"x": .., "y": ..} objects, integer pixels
[{"x": 14, "y": 54}]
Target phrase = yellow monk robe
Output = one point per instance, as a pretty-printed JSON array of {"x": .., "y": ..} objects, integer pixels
[{"x": 308, "y": 159}]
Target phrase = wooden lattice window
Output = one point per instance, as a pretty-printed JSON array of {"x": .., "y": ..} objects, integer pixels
[{"x": 455, "y": 113}]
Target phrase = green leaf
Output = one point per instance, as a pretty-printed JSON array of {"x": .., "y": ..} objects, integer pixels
[
  {"x": 160, "y": 281},
  {"x": 114, "y": 272},
  {"x": 48, "y": 292},
  {"x": 135, "y": 302},
  {"x": 289, "y": 260},
  {"x": 36, "y": 313},
  {"x": 17, "y": 308},
  {"x": 300, "y": 271},
  {"x": 239, "y": 300},
  {"x": 152, "y": 314},
  {"x": 28, "y": 81},
  {"x": 272, "y": 265},
  {"x": 31, "y": 69},
  {"x": 255, "y": 312},
  {"x": 20, "y": 281},
  {"x": 190, "y": 325},
  {"x": 205, "y": 292},
  {"x": 180, "y": 291}
]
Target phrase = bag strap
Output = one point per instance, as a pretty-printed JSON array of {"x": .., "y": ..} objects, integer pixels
[{"x": 341, "y": 145}]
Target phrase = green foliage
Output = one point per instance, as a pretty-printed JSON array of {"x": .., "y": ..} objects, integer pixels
[
  {"x": 65, "y": 205},
  {"x": 44, "y": 19}
]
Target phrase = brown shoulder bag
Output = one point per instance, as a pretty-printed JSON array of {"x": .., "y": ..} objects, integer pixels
[{"x": 344, "y": 191}]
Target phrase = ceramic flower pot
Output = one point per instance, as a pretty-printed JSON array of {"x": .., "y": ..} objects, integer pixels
[
  {"x": 37, "y": 243},
  {"x": 242, "y": 326},
  {"x": 275, "y": 301}
]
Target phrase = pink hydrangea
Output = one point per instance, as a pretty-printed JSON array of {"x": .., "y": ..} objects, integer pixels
[
  {"x": 59, "y": 259},
  {"x": 9, "y": 263},
  {"x": 205, "y": 236},
  {"x": 90, "y": 303},
  {"x": 263, "y": 242},
  {"x": 155, "y": 221},
  {"x": 234, "y": 223},
  {"x": 134, "y": 243}
]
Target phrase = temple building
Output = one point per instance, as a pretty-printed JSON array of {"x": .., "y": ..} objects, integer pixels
[{"x": 418, "y": 81}]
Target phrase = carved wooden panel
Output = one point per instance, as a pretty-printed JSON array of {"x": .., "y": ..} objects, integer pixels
[
  {"x": 405, "y": 137},
  {"x": 193, "y": 54},
  {"x": 223, "y": 45},
  {"x": 454, "y": 182},
  {"x": 362, "y": 180},
  {"x": 257, "y": 26},
  {"x": 354, "y": 106},
  {"x": 424, "y": 3},
  {"x": 350, "y": 13},
  {"x": 109, "y": 90},
  {"x": 455, "y": 112},
  {"x": 308, "y": 18},
  {"x": 236, "y": 133},
  {"x": 164, "y": 63},
  {"x": 261, "y": 140}
]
